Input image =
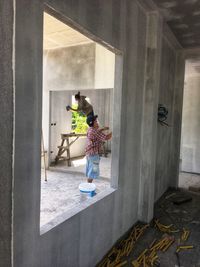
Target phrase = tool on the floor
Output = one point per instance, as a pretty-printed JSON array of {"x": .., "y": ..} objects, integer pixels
[{"x": 181, "y": 199}]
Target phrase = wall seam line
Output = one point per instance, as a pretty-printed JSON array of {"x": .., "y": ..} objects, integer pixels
[{"x": 13, "y": 143}]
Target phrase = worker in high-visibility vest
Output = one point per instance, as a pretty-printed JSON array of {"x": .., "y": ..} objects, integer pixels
[{"x": 83, "y": 105}]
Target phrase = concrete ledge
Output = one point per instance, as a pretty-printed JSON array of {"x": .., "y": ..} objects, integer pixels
[{"x": 72, "y": 212}]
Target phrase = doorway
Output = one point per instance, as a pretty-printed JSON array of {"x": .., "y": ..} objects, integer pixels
[{"x": 189, "y": 177}]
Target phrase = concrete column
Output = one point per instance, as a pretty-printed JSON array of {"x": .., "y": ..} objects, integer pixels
[
  {"x": 177, "y": 118},
  {"x": 28, "y": 126},
  {"x": 149, "y": 118},
  {"x": 6, "y": 130}
]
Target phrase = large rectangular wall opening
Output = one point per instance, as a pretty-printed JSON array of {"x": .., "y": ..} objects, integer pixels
[
  {"x": 74, "y": 63},
  {"x": 189, "y": 176}
]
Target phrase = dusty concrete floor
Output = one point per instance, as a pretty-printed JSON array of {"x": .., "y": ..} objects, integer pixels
[
  {"x": 60, "y": 193},
  {"x": 188, "y": 179},
  {"x": 186, "y": 215},
  {"x": 78, "y": 166}
]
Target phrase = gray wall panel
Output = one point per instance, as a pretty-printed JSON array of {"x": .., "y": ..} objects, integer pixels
[
  {"x": 6, "y": 129},
  {"x": 167, "y": 80}
]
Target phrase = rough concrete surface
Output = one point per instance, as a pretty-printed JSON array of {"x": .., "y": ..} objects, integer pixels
[
  {"x": 6, "y": 130},
  {"x": 183, "y": 19},
  {"x": 164, "y": 133},
  {"x": 123, "y": 26}
]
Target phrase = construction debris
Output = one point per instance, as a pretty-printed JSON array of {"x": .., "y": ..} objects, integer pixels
[
  {"x": 165, "y": 228},
  {"x": 149, "y": 256},
  {"x": 124, "y": 248},
  {"x": 121, "y": 264},
  {"x": 183, "y": 247},
  {"x": 185, "y": 234}
]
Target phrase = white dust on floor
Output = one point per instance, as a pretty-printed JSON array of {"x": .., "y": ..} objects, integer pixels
[
  {"x": 78, "y": 166},
  {"x": 60, "y": 193},
  {"x": 189, "y": 179}
]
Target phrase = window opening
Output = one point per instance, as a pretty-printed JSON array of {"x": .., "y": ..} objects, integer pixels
[
  {"x": 79, "y": 124},
  {"x": 72, "y": 62}
]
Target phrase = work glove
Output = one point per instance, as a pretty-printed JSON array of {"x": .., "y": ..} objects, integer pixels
[{"x": 68, "y": 108}]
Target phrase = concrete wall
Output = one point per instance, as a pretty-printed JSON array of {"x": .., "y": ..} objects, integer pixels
[
  {"x": 171, "y": 96},
  {"x": 83, "y": 239},
  {"x": 104, "y": 67},
  {"x": 168, "y": 138},
  {"x": 190, "y": 152},
  {"x": 65, "y": 69},
  {"x": 164, "y": 133},
  {"x": 69, "y": 68},
  {"x": 6, "y": 130}
]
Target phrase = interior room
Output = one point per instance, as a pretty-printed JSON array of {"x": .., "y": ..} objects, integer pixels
[
  {"x": 189, "y": 177},
  {"x": 72, "y": 63}
]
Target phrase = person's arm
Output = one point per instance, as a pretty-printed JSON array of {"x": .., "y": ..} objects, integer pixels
[
  {"x": 73, "y": 109},
  {"x": 70, "y": 108},
  {"x": 109, "y": 136},
  {"x": 104, "y": 129},
  {"x": 103, "y": 137}
]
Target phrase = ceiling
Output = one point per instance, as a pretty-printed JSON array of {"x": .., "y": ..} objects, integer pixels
[
  {"x": 183, "y": 17},
  {"x": 58, "y": 34}
]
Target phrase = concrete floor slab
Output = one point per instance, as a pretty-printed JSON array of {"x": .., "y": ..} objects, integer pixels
[
  {"x": 187, "y": 180},
  {"x": 78, "y": 166},
  {"x": 60, "y": 193}
]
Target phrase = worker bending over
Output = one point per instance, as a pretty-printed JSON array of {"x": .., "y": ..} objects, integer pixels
[{"x": 95, "y": 139}]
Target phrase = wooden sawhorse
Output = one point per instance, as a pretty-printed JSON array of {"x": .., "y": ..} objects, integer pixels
[{"x": 65, "y": 146}]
